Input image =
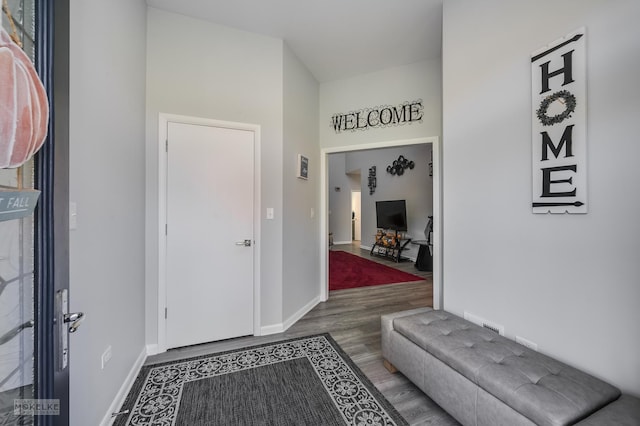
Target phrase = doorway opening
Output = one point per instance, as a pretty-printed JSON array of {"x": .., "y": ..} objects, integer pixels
[
  {"x": 356, "y": 216},
  {"x": 437, "y": 213}
]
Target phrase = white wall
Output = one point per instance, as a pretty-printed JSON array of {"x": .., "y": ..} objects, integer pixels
[
  {"x": 567, "y": 282},
  {"x": 393, "y": 86},
  {"x": 107, "y": 95},
  {"x": 196, "y": 68},
  {"x": 301, "y": 197}
]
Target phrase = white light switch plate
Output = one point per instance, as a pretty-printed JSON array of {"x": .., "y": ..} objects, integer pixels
[{"x": 106, "y": 356}]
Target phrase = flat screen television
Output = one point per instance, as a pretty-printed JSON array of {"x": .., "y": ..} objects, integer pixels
[{"x": 392, "y": 215}]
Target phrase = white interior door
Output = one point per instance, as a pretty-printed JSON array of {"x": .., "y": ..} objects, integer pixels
[
  {"x": 356, "y": 199},
  {"x": 210, "y": 244}
]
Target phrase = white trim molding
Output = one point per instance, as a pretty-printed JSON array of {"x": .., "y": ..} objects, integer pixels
[
  {"x": 117, "y": 402},
  {"x": 282, "y": 327},
  {"x": 152, "y": 349},
  {"x": 301, "y": 312},
  {"x": 272, "y": 329}
]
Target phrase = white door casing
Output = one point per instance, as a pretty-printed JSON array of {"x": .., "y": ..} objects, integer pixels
[{"x": 208, "y": 278}]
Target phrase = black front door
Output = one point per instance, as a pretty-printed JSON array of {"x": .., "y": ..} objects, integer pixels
[
  {"x": 52, "y": 216},
  {"x": 34, "y": 380}
]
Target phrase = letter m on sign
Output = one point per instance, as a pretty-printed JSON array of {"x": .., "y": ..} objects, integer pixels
[{"x": 558, "y": 126}]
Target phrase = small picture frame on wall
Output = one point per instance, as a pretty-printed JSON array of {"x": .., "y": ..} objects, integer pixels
[{"x": 303, "y": 167}]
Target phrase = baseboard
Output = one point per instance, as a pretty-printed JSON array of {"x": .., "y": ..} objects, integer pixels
[
  {"x": 335, "y": 243},
  {"x": 152, "y": 349},
  {"x": 271, "y": 329},
  {"x": 362, "y": 246},
  {"x": 301, "y": 312},
  {"x": 281, "y": 327},
  {"x": 125, "y": 388}
]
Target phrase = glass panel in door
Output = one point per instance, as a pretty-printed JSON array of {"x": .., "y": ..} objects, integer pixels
[{"x": 16, "y": 264}]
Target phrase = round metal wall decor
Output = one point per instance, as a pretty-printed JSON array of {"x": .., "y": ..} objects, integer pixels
[{"x": 399, "y": 166}]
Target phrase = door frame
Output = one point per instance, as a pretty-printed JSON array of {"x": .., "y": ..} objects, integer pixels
[
  {"x": 51, "y": 240},
  {"x": 163, "y": 121},
  {"x": 438, "y": 301}
]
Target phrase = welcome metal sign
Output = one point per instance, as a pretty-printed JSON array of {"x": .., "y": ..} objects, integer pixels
[
  {"x": 559, "y": 126},
  {"x": 381, "y": 116}
]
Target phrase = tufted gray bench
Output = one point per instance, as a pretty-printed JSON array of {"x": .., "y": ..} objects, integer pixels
[{"x": 484, "y": 379}]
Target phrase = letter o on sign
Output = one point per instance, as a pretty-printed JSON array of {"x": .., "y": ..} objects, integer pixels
[{"x": 386, "y": 116}]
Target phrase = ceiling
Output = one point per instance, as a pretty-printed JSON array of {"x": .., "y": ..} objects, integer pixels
[{"x": 335, "y": 39}]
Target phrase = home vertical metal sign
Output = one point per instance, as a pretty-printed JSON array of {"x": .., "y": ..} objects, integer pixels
[{"x": 559, "y": 127}]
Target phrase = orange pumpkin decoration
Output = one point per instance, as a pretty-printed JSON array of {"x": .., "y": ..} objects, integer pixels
[{"x": 24, "y": 107}]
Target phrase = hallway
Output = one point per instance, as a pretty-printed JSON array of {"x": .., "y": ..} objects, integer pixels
[{"x": 352, "y": 317}]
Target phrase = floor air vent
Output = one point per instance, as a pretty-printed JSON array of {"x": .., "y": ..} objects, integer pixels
[
  {"x": 492, "y": 328},
  {"x": 496, "y": 328}
]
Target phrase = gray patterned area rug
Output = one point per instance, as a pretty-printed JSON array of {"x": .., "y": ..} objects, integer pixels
[{"x": 304, "y": 381}]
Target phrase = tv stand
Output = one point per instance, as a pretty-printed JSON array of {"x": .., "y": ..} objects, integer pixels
[{"x": 389, "y": 244}]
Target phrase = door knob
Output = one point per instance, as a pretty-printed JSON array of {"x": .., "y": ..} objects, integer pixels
[{"x": 246, "y": 243}]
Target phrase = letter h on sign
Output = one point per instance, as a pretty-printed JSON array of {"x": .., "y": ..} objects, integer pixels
[{"x": 559, "y": 128}]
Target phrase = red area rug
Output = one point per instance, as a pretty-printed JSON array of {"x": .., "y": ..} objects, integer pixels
[{"x": 347, "y": 270}]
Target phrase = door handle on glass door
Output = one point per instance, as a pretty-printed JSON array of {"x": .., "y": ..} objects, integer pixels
[{"x": 75, "y": 319}]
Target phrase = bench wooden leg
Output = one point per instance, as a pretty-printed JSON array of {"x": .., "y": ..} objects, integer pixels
[{"x": 389, "y": 366}]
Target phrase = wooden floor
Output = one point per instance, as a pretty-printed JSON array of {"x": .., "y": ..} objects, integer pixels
[{"x": 352, "y": 317}]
